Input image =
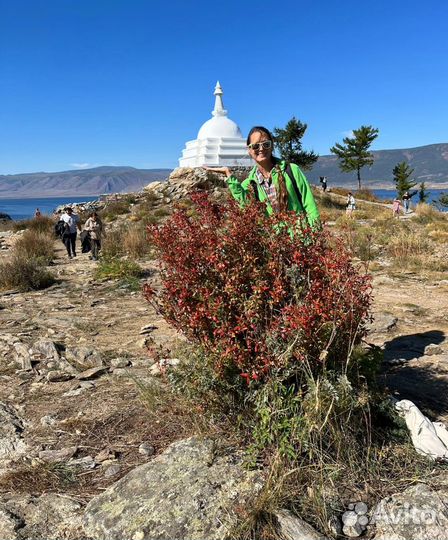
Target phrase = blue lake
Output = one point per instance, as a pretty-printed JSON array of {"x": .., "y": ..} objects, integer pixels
[{"x": 25, "y": 208}]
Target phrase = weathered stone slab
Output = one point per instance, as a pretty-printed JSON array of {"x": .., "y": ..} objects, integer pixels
[
  {"x": 418, "y": 513},
  {"x": 11, "y": 427},
  {"x": 189, "y": 491}
]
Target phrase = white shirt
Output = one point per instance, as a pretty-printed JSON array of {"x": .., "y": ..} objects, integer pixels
[{"x": 71, "y": 221}]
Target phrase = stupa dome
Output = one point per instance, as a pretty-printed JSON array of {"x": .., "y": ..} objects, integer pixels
[
  {"x": 219, "y": 141},
  {"x": 219, "y": 126}
]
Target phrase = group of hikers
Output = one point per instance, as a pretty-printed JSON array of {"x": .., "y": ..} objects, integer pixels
[{"x": 67, "y": 226}]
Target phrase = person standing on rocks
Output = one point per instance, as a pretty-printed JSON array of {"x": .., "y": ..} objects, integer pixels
[
  {"x": 94, "y": 226},
  {"x": 71, "y": 227},
  {"x": 280, "y": 185}
]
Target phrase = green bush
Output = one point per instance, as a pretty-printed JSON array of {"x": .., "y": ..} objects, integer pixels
[{"x": 117, "y": 268}]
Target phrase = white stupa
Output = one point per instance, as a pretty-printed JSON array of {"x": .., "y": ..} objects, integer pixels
[{"x": 219, "y": 141}]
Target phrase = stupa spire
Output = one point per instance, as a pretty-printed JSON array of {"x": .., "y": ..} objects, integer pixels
[{"x": 219, "y": 106}]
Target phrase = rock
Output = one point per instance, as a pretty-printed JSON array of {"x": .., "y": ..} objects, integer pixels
[
  {"x": 58, "y": 376},
  {"x": 47, "y": 421},
  {"x": 45, "y": 349},
  {"x": 84, "y": 357},
  {"x": 86, "y": 462},
  {"x": 106, "y": 454},
  {"x": 433, "y": 349},
  {"x": 119, "y": 363},
  {"x": 9, "y": 524},
  {"x": 22, "y": 355},
  {"x": 162, "y": 365},
  {"x": 190, "y": 491},
  {"x": 52, "y": 456},
  {"x": 382, "y": 323},
  {"x": 49, "y": 516},
  {"x": 293, "y": 528},
  {"x": 147, "y": 329},
  {"x": 112, "y": 470},
  {"x": 416, "y": 513},
  {"x": 353, "y": 531},
  {"x": 146, "y": 449},
  {"x": 91, "y": 373},
  {"x": 11, "y": 428},
  {"x": 361, "y": 508}
]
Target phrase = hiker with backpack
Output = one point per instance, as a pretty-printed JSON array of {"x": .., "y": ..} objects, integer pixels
[{"x": 280, "y": 185}]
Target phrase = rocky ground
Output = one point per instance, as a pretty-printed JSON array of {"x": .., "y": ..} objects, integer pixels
[{"x": 73, "y": 359}]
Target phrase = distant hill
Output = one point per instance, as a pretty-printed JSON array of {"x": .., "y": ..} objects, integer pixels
[
  {"x": 80, "y": 182},
  {"x": 430, "y": 164}
]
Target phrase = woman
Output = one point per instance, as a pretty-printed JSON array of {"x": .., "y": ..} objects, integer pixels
[
  {"x": 94, "y": 227},
  {"x": 281, "y": 186},
  {"x": 351, "y": 205}
]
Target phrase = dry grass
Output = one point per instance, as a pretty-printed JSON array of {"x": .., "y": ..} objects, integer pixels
[
  {"x": 24, "y": 274},
  {"x": 38, "y": 478},
  {"x": 43, "y": 224},
  {"x": 35, "y": 244},
  {"x": 425, "y": 213},
  {"x": 135, "y": 242}
]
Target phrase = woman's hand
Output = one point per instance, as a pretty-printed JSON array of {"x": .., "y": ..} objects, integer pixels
[{"x": 223, "y": 170}]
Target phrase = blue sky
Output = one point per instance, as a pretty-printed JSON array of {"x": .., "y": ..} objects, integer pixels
[{"x": 128, "y": 82}]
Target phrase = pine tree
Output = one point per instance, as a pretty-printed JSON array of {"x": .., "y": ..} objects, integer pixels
[
  {"x": 354, "y": 153},
  {"x": 289, "y": 145},
  {"x": 423, "y": 195},
  {"x": 401, "y": 173}
]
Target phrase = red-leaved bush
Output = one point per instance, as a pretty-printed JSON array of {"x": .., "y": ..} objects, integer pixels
[{"x": 258, "y": 293}]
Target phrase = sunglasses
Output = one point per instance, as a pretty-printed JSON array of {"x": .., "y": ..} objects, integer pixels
[{"x": 258, "y": 145}]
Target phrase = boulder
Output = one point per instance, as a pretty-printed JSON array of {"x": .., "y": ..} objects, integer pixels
[
  {"x": 11, "y": 428},
  {"x": 191, "y": 491},
  {"x": 49, "y": 516},
  {"x": 292, "y": 527},
  {"x": 84, "y": 357},
  {"x": 416, "y": 513}
]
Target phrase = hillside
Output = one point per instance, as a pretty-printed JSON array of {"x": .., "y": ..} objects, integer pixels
[
  {"x": 79, "y": 182},
  {"x": 430, "y": 164}
]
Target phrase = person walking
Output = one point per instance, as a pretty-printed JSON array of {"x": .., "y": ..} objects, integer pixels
[
  {"x": 280, "y": 185},
  {"x": 94, "y": 227},
  {"x": 37, "y": 213},
  {"x": 351, "y": 205},
  {"x": 71, "y": 226},
  {"x": 396, "y": 207}
]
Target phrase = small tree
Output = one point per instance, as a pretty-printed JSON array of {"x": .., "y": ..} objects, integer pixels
[
  {"x": 423, "y": 194},
  {"x": 354, "y": 153},
  {"x": 401, "y": 173},
  {"x": 289, "y": 145}
]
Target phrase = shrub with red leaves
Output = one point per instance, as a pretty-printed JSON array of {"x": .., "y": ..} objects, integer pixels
[{"x": 259, "y": 294}]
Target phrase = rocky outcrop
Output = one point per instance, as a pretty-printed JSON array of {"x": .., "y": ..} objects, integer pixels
[
  {"x": 192, "y": 490},
  {"x": 417, "y": 513},
  {"x": 49, "y": 516},
  {"x": 4, "y": 217},
  {"x": 11, "y": 428}
]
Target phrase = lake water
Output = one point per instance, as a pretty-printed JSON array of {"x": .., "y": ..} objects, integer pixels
[
  {"x": 25, "y": 208},
  {"x": 391, "y": 194}
]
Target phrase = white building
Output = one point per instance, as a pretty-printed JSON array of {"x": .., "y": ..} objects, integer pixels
[{"x": 219, "y": 141}]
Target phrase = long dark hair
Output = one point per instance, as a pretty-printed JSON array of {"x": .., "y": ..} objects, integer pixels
[{"x": 282, "y": 194}]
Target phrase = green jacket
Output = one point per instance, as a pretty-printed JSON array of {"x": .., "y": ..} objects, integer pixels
[{"x": 242, "y": 190}]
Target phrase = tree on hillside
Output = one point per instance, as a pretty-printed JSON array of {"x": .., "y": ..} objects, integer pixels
[
  {"x": 401, "y": 173},
  {"x": 289, "y": 144},
  {"x": 423, "y": 194},
  {"x": 353, "y": 153}
]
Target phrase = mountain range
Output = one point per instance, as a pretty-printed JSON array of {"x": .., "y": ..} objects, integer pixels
[
  {"x": 430, "y": 164},
  {"x": 79, "y": 182}
]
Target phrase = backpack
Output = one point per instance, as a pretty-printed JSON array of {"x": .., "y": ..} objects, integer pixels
[
  {"x": 59, "y": 228},
  {"x": 288, "y": 171}
]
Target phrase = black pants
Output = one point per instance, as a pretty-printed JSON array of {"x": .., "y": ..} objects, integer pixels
[{"x": 70, "y": 243}]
